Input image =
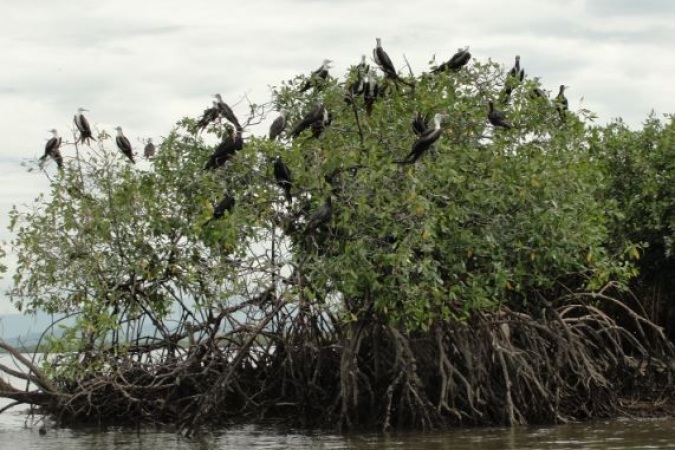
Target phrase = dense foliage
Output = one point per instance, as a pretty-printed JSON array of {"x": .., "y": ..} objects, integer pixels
[
  {"x": 444, "y": 291},
  {"x": 640, "y": 165},
  {"x": 490, "y": 216}
]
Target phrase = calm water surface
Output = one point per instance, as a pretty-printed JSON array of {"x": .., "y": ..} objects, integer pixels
[{"x": 19, "y": 433}]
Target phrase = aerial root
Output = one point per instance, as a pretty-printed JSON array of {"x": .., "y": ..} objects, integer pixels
[{"x": 306, "y": 368}]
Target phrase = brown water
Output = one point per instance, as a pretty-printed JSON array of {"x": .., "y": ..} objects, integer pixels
[{"x": 19, "y": 433}]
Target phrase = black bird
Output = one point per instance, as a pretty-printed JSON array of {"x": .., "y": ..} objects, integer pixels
[
  {"x": 83, "y": 127},
  {"x": 424, "y": 141},
  {"x": 225, "y": 110},
  {"x": 317, "y": 114},
  {"x": 458, "y": 60},
  {"x": 225, "y": 150},
  {"x": 497, "y": 118},
  {"x": 384, "y": 62},
  {"x": 536, "y": 92},
  {"x": 506, "y": 93},
  {"x": 357, "y": 86},
  {"x": 282, "y": 175},
  {"x": 371, "y": 91},
  {"x": 420, "y": 124},
  {"x": 363, "y": 68},
  {"x": 124, "y": 145},
  {"x": 225, "y": 205},
  {"x": 514, "y": 77},
  {"x": 318, "y": 77},
  {"x": 52, "y": 149},
  {"x": 561, "y": 103},
  {"x": 320, "y": 126},
  {"x": 149, "y": 150},
  {"x": 515, "y": 70},
  {"x": 321, "y": 216},
  {"x": 278, "y": 126},
  {"x": 210, "y": 115}
]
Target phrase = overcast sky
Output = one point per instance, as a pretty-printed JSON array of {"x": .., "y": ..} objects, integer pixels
[{"x": 144, "y": 64}]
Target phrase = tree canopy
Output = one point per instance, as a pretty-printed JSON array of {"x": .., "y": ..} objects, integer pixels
[
  {"x": 488, "y": 216},
  {"x": 364, "y": 219}
]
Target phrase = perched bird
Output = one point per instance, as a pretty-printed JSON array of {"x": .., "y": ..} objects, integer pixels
[
  {"x": 225, "y": 150},
  {"x": 384, "y": 62},
  {"x": 319, "y": 126},
  {"x": 497, "y": 118},
  {"x": 424, "y": 141},
  {"x": 282, "y": 175},
  {"x": 318, "y": 77},
  {"x": 371, "y": 91},
  {"x": 536, "y": 91},
  {"x": 52, "y": 149},
  {"x": 278, "y": 126},
  {"x": 356, "y": 87},
  {"x": 149, "y": 150},
  {"x": 515, "y": 70},
  {"x": 83, "y": 127},
  {"x": 561, "y": 103},
  {"x": 514, "y": 77},
  {"x": 321, "y": 216},
  {"x": 225, "y": 205},
  {"x": 458, "y": 60},
  {"x": 124, "y": 145},
  {"x": 316, "y": 115},
  {"x": 420, "y": 124},
  {"x": 363, "y": 68},
  {"x": 225, "y": 110},
  {"x": 210, "y": 115}
]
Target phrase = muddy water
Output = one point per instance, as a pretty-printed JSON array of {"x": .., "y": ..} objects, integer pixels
[{"x": 19, "y": 433}]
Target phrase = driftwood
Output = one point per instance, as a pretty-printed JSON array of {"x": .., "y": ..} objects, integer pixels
[{"x": 592, "y": 357}]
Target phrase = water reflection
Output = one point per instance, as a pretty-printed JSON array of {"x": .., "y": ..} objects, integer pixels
[{"x": 614, "y": 434}]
